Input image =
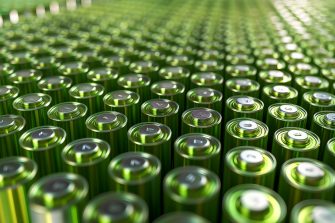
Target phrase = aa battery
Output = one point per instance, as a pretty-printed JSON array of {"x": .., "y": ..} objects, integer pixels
[
  {"x": 16, "y": 174},
  {"x": 118, "y": 62},
  {"x": 303, "y": 69},
  {"x": 69, "y": 116},
  {"x": 205, "y": 97},
  {"x": 179, "y": 74},
  {"x": 104, "y": 76},
  {"x": 253, "y": 203},
  {"x": 241, "y": 86},
  {"x": 77, "y": 71},
  {"x": 241, "y": 106},
  {"x": 271, "y": 64},
  {"x": 270, "y": 77},
  {"x": 88, "y": 157},
  {"x": 197, "y": 149},
  {"x": 58, "y": 198},
  {"x": 8, "y": 94},
  {"x": 138, "y": 173},
  {"x": 304, "y": 178},
  {"x": 309, "y": 83},
  {"x": 116, "y": 207},
  {"x": 148, "y": 68},
  {"x": 329, "y": 153},
  {"x": 184, "y": 61},
  {"x": 240, "y": 71},
  {"x": 125, "y": 102},
  {"x": 180, "y": 217},
  {"x": 138, "y": 83},
  {"x": 245, "y": 132},
  {"x": 89, "y": 94},
  {"x": 25, "y": 80},
  {"x": 109, "y": 126},
  {"x": 47, "y": 65},
  {"x": 5, "y": 71},
  {"x": 57, "y": 87},
  {"x": 192, "y": 189},
  {"x": 33, "y": 107},
  {"x": 207, "y": 79}
]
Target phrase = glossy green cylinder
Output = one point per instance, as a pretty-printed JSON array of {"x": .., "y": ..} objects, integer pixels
[
  {"x": 25, "y": 80},
  {"x": 57, "y": 87},
  {"x": 178, "y": 74},
  {"x": 207, "y": 79},
  {"x": 138, "y": 83},
  {"x": 148, "y": 68},
  {"x": 329, "y": 153},
  {"x": 241, "y": 86},
  {"x": 270, "y": 77},
  {"x": 180, "y": 216},
  {"x": 309, "y": 83},
  {"x": 8, "y": 94},
  {"x": 104, "y": 76},
  {"x": 75, "y": 70},
  {"x": 205, "y": 97}
]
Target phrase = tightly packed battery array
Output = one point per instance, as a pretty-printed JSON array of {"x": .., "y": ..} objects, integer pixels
[{"x": 169, "y": 111}]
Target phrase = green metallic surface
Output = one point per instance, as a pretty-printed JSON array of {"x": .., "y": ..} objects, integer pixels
[
  {"x": 270, "y": 77},
  {"x": 240, "y": 71},
  {"x": 180, "y": 217},
  {"x": 207, "y": 79},
  {"x": 57, "y": 87},
  {"x": 77, "y": 71},
  {"x": 104, "y": 76},
  {"x": 241, "y": 86},
  {"x": 8, "y": 94},
  {"x": 178, "y": 74},
  {"x": 5, "y": 71},
  {"x": 25, "y": 80},
  {"x": 304, "y": 84},
  {"x": 138, "y": 83},
  {"x": 329, "y": 153},
  {"x": 205, "y": 97},
  {"x": 148, "y": 68}
]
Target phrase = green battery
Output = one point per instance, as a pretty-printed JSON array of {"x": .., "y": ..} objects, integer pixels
[
  {"x": 57, "y": 87},
  {"x": 278, "y": 94},
  {"x": 8, "y": 94},
  {"x": 104, "y": 76},
  {"x": 125, "y": 102},
  {"x": 33, "y": 107},
  {"x": 148, "y": 68},
  {"x": 315, "y": 101},
  {"x": 207, "y": 79},
  {"x": 89, "y": 57},
  {"x": 205, "y": 97},
  {"x": 63, "y": 54},
  {"x": 248, "y": 165},
  {"x": 58, "y": 198},
  {"x": 310, "y": 83},
  {"x": 209, "y": 66},
  {"x": 109, "y": 126},
  {"x": 241, "y": 86},
  {"x": 313, "y": 210},
  {"x": 163, "y": 111},
  {"x": 153, "y": 138},
  {"x": 16, "y": 174},
  {"x": 181, "y": 61},
  {"x": 210, "y": 54},
  {"x": 253, "y": 203},
  {"x": 88, "y": 157},
  {"x": 269, "y": 77},
  {"x": 241, "y": 106},
  {"x": 25, "y": 80},
  {"x": 20, "y": 60},
  {"x": 323, "y": 125},
  {"x": 197, "y": 149},
  {"x": 138, "y": 173},
  {"x": 245, "y": 132},
  {"x": 201, "y": 120},
  {"x": 285, "y": 115},
  {"x": 294, "y": 142},
  {"x": 44, "y": 145},
  {"x": 179, "y": 74},
  {"x": 192, "y": 189},
  {"x": 116, "y": 207},
  {"x": 296, "y": 57},
  {"x": 47, "y": 65},
  {"x": 240, "y": 71},
  {"x": 267, "y": 52},
  {"x": 11, "y": 128},
  {"x": 138, "y": 83},
  {"x": 171, "y": 90},
  {"x": 156, "y": 56},
  {"x": 120, "y": 63},
  {"x": 239, "y": 58},
  {"x": 303, "y": 69},
  {"x": 89, "y": 94},
  {"x": 329, "y": 153},
  {"x": 180, "y": 217},
  {"x": 304, "y": 178},
  {"x": 69, "y": 116},
  {"x": 5, "y": 71},
  {"x": 77, "y": 71},
  {"x": 329, "y": 74}
]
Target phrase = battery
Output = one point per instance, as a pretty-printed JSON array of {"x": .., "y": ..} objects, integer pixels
[
  {"x": 245, "y": 132},
  {"x": 57, "y": 87},
  {"x": 116, "y": 207},
  {"x": 88, "y": 57},
  {"x": 153, "y": 138},
  {"x": 270, "y": 77},
  {"x": 110, "y": 126},
  {"x": 193, "y": 189},
  {"x": 172, "y": 90},
  {"x": 240, "y": 71},
  {"x": 204, "y": 97},
  {"x": 58, "y": 198},
  {"x": 20, "y": 59},
  {"x": 75, "y": 70},
  {"x": 241, "y": 86},
  {"x": 240, "y": 106},
  {"x": 162, "y": 111},
  {"x": 253, "y": 203},
  {"x": 25, "y": 80},
  {"x": 89, "y": 94},
  {"x": 5, "y": 71},
  {"x": 180, "y": 217},
  {"x": 271, "y": 64},
  {"x": 309, "y": 83},
  {"x": 179, "y": 74},
  {"x": 293, "y": 142},
  {"x": 303, "y": 69},
  {"x": 209, "y": 66},
  {"x": 201, "y": 120},
  {"x": 156, "y": 56},
  {"x": 16, "y": 174},
  {"x": 184, "y": 61},
  {"x": 104, "y": 76},
  {"x": 197, "y": 149},
  {"x": 71, "y": 117},
  {"x": 88, "y": 157},
  {"x": 33, "y": 107},
  {"x": 138, "y": 83},
  {"x": 315, "y": 101},
  {"x": 304, "y": 178},
  {"x": 125, "y": 102},
  {"x": 248, "y": 165},
  {"x": 210, "y": 54},
  {"x": 148, "y": 68},
  {"x": 316, "y": 210},
  {"x": 47, "y": 65},
  {"x": 329, "y": 153},
  {"x": 207, "y": 79},
  {"x": 44, "y": 145},
  {"x": 239, "y": 58},
  {"x": 323, "y": 125},
  {"x": 8, "y": 94},
  {"x": 118, "y": 62},
  {"x": 138, "y": 173}
]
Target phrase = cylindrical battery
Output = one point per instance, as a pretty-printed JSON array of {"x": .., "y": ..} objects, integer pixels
[
  {"x": 148, "y": 68},
  {"x": 241, "y": 86},
  {"x": 104, "y": 76},
  {"x": 240, "y": 71},
  {"x": 75, "y": 70},
  {"x": 180, "y": 217},
  {"x": 207, "y": 79},
  {"x": 25, "y": 80},
  {"x": 138, "y": 83},
  {"x": 5, "y": 71},
  {"x": 309, "y": 83},
  {"x": 205, "y": 97},
  {"x": 329, "y": 153},
  {"x": 57, "y": 87},
  {"x": 8, "y": 94},
  {"x": 179, "y": 74},
  {"x": 269, "y": 77}
]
